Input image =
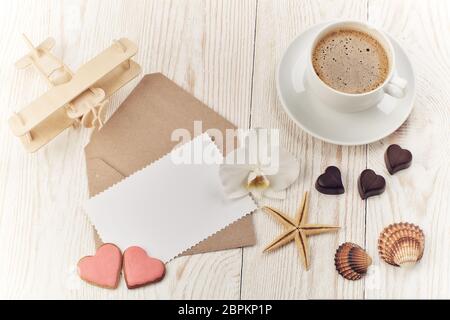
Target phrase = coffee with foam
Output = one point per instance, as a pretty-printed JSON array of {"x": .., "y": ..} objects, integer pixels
[{"x": 350, "y": 61}]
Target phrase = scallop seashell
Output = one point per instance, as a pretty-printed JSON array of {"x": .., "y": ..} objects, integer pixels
[
  {"x": 351, "y": 261},
  {"x": 401, "y": 244}
]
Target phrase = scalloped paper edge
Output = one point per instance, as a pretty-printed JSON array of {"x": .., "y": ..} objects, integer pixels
[
  {"x": 155, "y": 162},
  {"x": 177, "y": 147}
]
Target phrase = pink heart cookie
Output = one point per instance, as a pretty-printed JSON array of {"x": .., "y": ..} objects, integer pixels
[
  {"x": 104, "y": 268},
  {"x": 140, "y": 269}
]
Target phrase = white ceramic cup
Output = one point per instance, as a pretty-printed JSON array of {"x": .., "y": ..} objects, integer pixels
[{"x": 349, "y": 102}]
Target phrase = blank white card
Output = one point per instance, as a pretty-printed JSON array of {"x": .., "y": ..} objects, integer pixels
[{"x": 166, "y": 208}]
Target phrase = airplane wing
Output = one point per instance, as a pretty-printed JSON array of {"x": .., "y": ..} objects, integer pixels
[
  {"x": 87, "y": 76},
  {"x": 26, "y": 60},
  {"x": 23, "y": 62},
  {"x": 46, "y": 45}
]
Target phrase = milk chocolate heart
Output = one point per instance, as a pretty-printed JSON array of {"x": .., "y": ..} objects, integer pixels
[
  {"x": 330, "y": 182},
  {"x": 396, "y": 158},
  {"x": 140, "y": 269},
  {"x": 370, "y": 184},
  {"x": 103, "y": 269}
]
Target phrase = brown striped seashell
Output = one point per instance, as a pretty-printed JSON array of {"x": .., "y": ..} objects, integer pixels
[
  {"x": 351, "y": 261},
  {"x": 401, "y": 244}
]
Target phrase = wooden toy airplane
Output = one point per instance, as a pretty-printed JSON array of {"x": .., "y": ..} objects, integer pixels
[{"x": 74, "y": 98}]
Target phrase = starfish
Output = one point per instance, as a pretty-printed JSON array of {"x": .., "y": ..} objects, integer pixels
[{"x": 297, "y": 230}]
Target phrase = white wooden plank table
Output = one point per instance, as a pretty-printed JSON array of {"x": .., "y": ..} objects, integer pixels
[{"x": 225, "y": 53}]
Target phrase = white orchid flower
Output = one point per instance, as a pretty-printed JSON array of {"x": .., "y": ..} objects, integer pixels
[{"x": 254, "y": 170}]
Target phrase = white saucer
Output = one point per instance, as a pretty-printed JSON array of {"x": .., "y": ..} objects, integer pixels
[{"x": 327, "y": 124}]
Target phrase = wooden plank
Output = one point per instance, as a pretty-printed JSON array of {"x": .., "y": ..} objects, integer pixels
[
  {"x": 85, "y": 77},
  {"x": 419, "y": 194},
  {"x": 205, "y": 46},
  {"x": 279, "y": 275}
]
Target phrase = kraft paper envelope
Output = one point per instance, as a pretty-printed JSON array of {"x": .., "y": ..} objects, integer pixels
[
  {"x": 139, "y": 133},
  {"x": 155, "y": 221}
]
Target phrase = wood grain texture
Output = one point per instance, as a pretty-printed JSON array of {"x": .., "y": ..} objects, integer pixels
[
  {"x": 205, "y": 46},
  {"x": 280, "y": 275},
  {"x": 225, "y": 53},
  {"x": 421, "y": 193}
]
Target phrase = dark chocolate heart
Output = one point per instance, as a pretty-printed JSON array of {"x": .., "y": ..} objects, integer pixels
[
  {"x": 397, "y": 158},
  {"x": 330, "y": 182},
  {"x": 370, "y": 184}
]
